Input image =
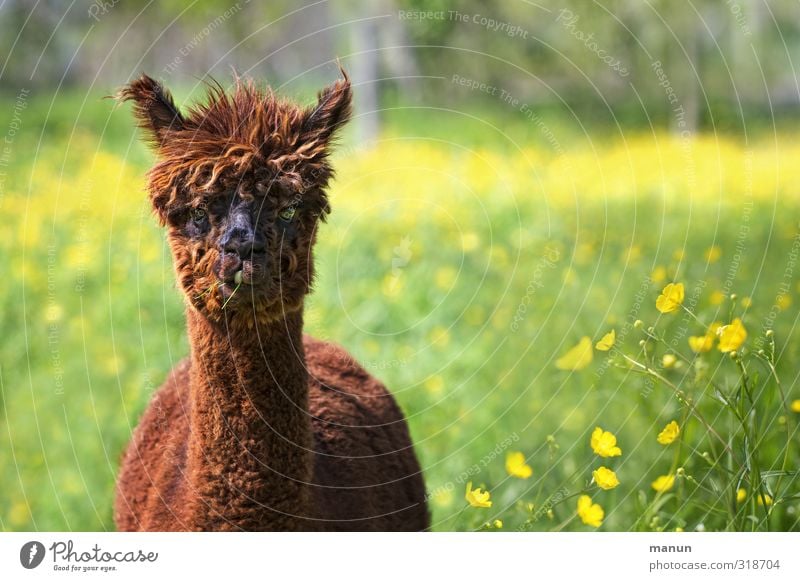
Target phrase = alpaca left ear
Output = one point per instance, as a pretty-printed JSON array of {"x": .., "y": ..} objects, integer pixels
[
  {"x": 322, "y": 121},
  {"x": 154, "y": 108}
]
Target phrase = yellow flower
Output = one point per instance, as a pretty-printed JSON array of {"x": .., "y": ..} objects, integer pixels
[
  {"x": 659, "y": 274},
  {"x": 717, "y": 298},
  {"x": 713, "y": 253},
  {"x": 741, "y": 495},
  {"x": 392, "y": 285},
  {"x": 604, "y": 443},
  {"x": 764, "y": 500},
  {"x": 578, "y": 357},
  {"x": 668, "y": 361},
  {"x": 731, "y": 336},
  {"x": 663, "y": 483},
  {"x": 669, "y": 434},
  {"x": 54, "y": 313},
  {"x": 747, "y": 302},
  {"x": 591, "y": 514},
  {"x": 434, "y": 384},
  {"x": 783, "y": 301},
  {"x": 445, "y": 277},
  {"x": 795, "y": 406},
  {"x": 671, "y": 298},
  {"x": 605, "y": 478},
  {"x": 442, "y": 497},
  {"x": 469, "y": 241},
  {"x": 516, "y": 466},
  {"x": 701, "y": 343},
  {"x": 498, "y": 524},
  {"x": 478, "y": 498},
  {"x": 607, "y": 342},
  {"x": 439, "y": 336}
]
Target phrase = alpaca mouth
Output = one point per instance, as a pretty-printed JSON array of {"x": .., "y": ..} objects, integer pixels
[
  {"x": 245, "y": 272},
  {"x": 247, "y": 278}
]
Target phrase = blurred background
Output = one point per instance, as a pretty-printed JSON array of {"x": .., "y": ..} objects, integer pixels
[
  {"x": 517, "y": 176},
  {"x": 729, "y": 63}
]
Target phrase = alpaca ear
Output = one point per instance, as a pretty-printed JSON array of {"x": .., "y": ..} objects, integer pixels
[
  {"x": 154, "y": 108},
  {"x": 332, "y": 110}
]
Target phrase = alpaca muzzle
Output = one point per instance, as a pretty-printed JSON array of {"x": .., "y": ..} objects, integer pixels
[
  {"x": 233, "y": 270},
  {"x": 243, "y": 257}
]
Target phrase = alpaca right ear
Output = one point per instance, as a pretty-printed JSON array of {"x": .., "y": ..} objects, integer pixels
[
  {"x": 332, "y": 110},
  {"x": 154, "y": 108}
]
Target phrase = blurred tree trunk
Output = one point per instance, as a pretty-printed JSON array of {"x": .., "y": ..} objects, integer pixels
[
  {"x": 399, "y": 60},
  {"x": 365, "y": 78},
  {"x": 687, "y": 69}
]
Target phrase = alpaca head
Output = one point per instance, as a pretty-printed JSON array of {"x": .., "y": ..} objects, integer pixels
[{"x": 240, "y": 185}]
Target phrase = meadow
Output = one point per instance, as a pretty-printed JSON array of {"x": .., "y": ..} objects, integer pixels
[{"x": 479, "y": 273}]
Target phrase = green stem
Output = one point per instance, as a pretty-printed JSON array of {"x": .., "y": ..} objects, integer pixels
[
  {"x": 230, "y": 297},
  {"x": 692, "y": 408}
]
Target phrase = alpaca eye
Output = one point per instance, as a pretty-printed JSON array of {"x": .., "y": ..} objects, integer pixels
[
  {"x": 198, "y": 214},
  {"x": 288, "y": 213}
]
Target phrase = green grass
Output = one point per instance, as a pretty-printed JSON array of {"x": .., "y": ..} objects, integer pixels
[{"x": 457, "y": 286}]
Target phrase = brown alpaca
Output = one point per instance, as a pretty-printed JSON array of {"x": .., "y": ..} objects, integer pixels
[{"x": 261, "y": 427}]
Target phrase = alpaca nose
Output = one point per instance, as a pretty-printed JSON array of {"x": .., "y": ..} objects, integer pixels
[
  {"x": 245, "y": 247},
  {"x": 241, "y": 238}
]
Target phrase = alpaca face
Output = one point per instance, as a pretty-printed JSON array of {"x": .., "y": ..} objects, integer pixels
[
  {"x": 241, "y": 255},
  {"x": 240, "y": 185}
]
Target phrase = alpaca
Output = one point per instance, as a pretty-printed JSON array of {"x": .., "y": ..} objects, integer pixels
[{"x": 261, "y": 427}]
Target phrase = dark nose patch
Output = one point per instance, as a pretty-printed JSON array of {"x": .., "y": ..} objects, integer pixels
[{"x": 239, "y": 235}]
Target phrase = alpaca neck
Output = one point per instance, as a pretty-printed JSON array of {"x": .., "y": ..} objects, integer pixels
[{"x": 249, "y": 451}]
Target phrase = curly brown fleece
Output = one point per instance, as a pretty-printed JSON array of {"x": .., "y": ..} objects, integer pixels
[{"x": 261, "y": 427}]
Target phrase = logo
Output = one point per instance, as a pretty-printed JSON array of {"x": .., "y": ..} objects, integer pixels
[{"x": 31, "y": 554}]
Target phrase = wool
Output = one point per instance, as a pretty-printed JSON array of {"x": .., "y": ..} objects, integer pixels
[{"x": 261, "y": 427}]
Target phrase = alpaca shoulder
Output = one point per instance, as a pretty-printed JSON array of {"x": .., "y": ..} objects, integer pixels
[
  {"x": 153, "y": 449},
  {"x": 341, "y": 389}
]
